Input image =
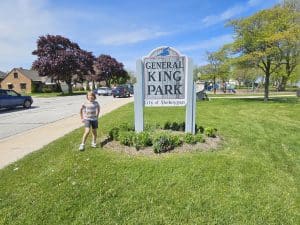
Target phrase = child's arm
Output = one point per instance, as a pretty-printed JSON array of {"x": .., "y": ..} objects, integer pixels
[
  {"x": 98, "y": 110},
  {"x": 81, "y": 113}
]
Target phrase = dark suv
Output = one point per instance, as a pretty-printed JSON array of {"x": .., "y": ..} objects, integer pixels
[
  {"x": 120, "y": 91},
  {"x": 11, "y": 99}
]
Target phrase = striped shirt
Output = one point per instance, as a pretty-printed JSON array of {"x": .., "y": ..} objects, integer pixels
[{"x": 90, "y": 110}]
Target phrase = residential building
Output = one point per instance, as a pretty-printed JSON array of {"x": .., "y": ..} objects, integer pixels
[
  {"x": 23, "y": 80},
  {"x": 2, "y": 75}
]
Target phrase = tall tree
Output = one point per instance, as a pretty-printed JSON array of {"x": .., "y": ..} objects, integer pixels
[
  {"x": 61, "y": 59},
  {"x": 109, "y": 70},
  {"x": 259, "y": 38},
  {"x": 244, "y": 73},
  {"x": 290, "y": 46},
  {"x": 218, "y": 67}
]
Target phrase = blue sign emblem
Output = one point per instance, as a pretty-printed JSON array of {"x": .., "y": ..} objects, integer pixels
[{"x": 165, "y": 52}]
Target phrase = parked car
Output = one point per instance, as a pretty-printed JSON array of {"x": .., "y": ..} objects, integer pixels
[
  {"x": 121, "y": 91},
  {"x": 11, "y": 99},
  {"x": 103, "y": 91},
  {"x": 130, "y": 88}
]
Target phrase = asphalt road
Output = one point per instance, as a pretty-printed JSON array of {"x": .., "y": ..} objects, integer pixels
[{"x": 42, "y": 112}]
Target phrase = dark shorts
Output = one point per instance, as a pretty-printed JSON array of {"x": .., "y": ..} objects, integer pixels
[{"x": 91, "y": 123}]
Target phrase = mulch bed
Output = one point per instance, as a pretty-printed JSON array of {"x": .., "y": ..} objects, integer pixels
[{"x": 210, "y": 144}]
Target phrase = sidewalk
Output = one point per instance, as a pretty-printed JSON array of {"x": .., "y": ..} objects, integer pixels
[{"x": 17, "y": 146}]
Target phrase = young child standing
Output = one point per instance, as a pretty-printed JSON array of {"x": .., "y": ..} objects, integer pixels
[{"x": 89, "y": 113}]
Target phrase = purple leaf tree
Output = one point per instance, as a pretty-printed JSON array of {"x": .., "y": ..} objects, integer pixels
[
  {"x": 62, "y": 60},
  {"x": 109, "y": 70}
]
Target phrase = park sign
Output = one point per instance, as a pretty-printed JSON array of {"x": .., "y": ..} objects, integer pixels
[{"x": 164, "y": 78}]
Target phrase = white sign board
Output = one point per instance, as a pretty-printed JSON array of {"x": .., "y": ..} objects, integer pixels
[{"x": 165, "y": 78}]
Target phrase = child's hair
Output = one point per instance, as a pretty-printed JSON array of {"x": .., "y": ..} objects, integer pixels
[{"x": 91, "y": 93}]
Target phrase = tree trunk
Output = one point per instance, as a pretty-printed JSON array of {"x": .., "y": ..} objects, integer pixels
[
  {"x": 267, "y": 82},
  {"x": 282, "y": 85},
  {"x": 69, "y": 87},
  {"x": 214, "y": 86}
]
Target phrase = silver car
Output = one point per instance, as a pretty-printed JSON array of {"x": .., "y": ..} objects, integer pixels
[{"x": 104, "y": 91}]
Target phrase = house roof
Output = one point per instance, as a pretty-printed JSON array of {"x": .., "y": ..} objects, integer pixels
[
  {"x": 31, "y": 74},
  {"x": 2, "y": 75}
]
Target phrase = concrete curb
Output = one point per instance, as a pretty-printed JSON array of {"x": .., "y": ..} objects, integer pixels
[{"x": 17, "y": 146}]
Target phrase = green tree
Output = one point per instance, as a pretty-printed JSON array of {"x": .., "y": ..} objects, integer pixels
[
  {"x": 290, "y": 46},
  {"x": 260, "y": 39},
  {"x": 218, "y": 67},
  {"x": 244, "y": 73}
]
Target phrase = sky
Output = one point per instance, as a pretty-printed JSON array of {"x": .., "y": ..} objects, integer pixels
[{"x": 126, "y": 30}]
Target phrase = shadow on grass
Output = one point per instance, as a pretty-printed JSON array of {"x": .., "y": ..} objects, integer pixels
[{"x": 271, "y": 100}]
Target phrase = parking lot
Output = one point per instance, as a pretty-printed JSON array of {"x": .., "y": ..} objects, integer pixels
[{"x": 43, "y": 111}]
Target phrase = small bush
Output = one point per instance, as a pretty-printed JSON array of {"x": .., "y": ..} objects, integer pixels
[
  {"x": 142, "y": 139},
  {"x": 211, "y": 132},
  {"x": 182, "y": 126},
  {"x": 114, "y": 133},
  {"x": 167, "y": 125},
  {"x": 151, "y": 127},
  {"x": 175, "y": 126},
  {"x": 176, "y": 140},
  {"x": 126, "y": 137},
  {"x": 162, "y": 142},
  {"x": 190, "y": 139},
  {"x": 47, "y": 89},
  {"x": 200, "y": 129},
  {"x": 126, "y": 127},
  {"x": 200, "y": 138}
]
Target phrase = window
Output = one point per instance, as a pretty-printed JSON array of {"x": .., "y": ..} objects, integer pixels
[
  {"x": 10, "y": 86},
  {"x": 23, "y": 86},
  {"x": 16, "y": 75},
  {"x": 11, "y": 93}
]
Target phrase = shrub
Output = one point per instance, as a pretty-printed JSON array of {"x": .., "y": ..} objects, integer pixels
[
  {"x": 211, "y": 132},
  {"x": 182, "y": 126},
  {"x": 200, "y": 138},
  {"x": 175, "y": 126},
  {"x": 114, "y": 133},
  {"x": 162, "y": 142},
  {"x": 167, "y": 125},
  {"x": 126, "y": 137},
  {"x": 190, "y": 138},
  {"x": 126, "y": 127},
  {"x": 176, "y": 140},
  {"x": 47, "y": 89},
  {"x": 199, "y": 129},
  {"x": 142, "y": 139},
  {"x": 151, "y": 127}
]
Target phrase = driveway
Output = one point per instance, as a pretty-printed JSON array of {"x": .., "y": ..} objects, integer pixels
[{"x": 43, "y": 112}]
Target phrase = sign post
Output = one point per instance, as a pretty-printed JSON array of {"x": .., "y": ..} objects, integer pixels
[{"x": 164, "y": 78}]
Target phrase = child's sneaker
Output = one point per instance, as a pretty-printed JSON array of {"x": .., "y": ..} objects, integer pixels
[
  {"x": 81, "y": 147},
  {"x": 94, "y": 145}
]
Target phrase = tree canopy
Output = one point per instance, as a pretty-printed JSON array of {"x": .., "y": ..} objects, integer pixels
[
  {"x": 109, "y": 70},
  {"x": 266, "y": 40},
  {"x": 62, "y": 59}
]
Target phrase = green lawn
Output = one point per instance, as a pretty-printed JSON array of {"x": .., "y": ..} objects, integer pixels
[{"x": 253, "y": 178}]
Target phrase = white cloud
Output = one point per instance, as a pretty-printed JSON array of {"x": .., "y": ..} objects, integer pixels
[
  {"x": 209, "y": 44},
  {"x": 232, "y": 12},
  {"x": 21, "y": 22},
  {"x": 226, "y": 15},
  {"x": 131, "y": 37}
]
